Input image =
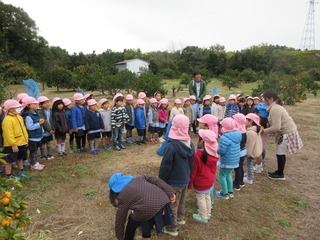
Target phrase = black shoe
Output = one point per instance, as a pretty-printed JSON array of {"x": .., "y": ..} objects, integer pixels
[
  {"x": 276, "y": 176},
  {"x": 143, "y": 142},
  {"x": 138, "y": 142},
  {"x": 236, "y": 187}
]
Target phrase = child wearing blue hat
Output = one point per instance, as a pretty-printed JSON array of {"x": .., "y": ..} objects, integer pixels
[{"x": 149, "y": 199}]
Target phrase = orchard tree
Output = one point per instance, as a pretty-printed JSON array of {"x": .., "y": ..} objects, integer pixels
[{"x": 58, "y": 77}]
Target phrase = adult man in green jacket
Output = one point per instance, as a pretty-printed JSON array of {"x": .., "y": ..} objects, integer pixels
[{"x": 197, "y": 87}]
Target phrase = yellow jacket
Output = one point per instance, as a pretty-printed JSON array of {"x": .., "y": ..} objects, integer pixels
[{"x": 14, "y": 131}]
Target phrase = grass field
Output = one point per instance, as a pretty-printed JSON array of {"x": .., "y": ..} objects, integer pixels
[{"x": 71, "y": 193}]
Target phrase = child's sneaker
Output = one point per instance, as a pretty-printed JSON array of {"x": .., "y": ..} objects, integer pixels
[
  {"x": 122, "y": 146},
  {"x": 220, "y": 194},
  {"x": 13, "y": 177},
  {"x": 199, "y": 218},
  {"x": 26, "y": 163},
  {"x": 71, "y": 151},
  {"x": 236, "y": 187},
  {"x": 258, "y": 168},
  {"x": 132, "y": 140},
  {"x": 94, "y": 152},
  {"x": 50, "y": 157},
  {"x": 14, "y": 165},
  {"x": 64, "y": 153},
  {"x": 162, "y": 140},
  {"x": 83, "y": 150},
  {"x": 79, "y": 150},
  {"x": 24, "y": 175},
  {"x": 182, "y": 222},
  {"x": 107, "y": 147},
  {"x": 117, "y": 148},
  {"x": 98, "y": 150},
  {"x": 43, "y": 158},
  {"x": 173, "y": 233},
  {"x": 60, "y": 154},
  {"x": 37, "y": 166},
  {"x": 242, "y": 185},
  {"x": 230, "y": 194},
  {"x": 246, "y": 180},
  {"x": 129, "y": 140},
  {"x": 143, "y": 142}
]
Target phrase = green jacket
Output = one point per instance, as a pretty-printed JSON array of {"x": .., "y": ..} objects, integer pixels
[
  {"x": 46, "y": 125},
  {"x": 193, "y": 89}
]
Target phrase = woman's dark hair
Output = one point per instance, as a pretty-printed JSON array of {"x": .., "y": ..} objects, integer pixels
[
  {"x": 196, "y": 73},
  {"x": 204, "y": 156},
  {"x": 113, "y": 198},
  {"x": 272, "y": 94},
  {"x": 258, "y": 127}
]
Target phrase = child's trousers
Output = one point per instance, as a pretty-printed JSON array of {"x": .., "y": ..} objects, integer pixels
[
  {"x": 118, "y": 135},
  {"x": 225, "y": 176},
  {"x": 250, "y": 162},
  {"x": 204, "y": 203},
  {"x": 178, "y": 207}
]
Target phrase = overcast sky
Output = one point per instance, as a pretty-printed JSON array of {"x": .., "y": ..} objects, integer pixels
[{"x": 153, "y": 25}]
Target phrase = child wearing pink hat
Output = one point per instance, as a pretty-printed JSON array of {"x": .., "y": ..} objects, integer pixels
[
  {"x": 187, "y": 110},
  {"x": 215, "y": 104},
  {"x": 253, "y": 145},
  {"x": 35, "y": 130},
  {"x": 203, "y": 174},
  {"x": 176, "y": 166},
  {"x": 130, "y": 111},
  {"x": 221, "y": 109},
  {"x": 229, "y": 150},
  {"x": 60, "y": 123},
  {"x": 177, "y": 109},
  {"x": 94, "y": 126},
  {"x": 119, "y": 117},
  {"x": 195, "y": 108},
  {"x": 239, "y": 172},
  {"x": 45, "y": 113},
  {"x": 163, "y": 118},
  {"x": 249, "y": 105},
  {"x": 77, "y": 115},
  {"x": 153, "y": 120},
  {"x": 15, "y": 138},
  {"x": 206, "y": 107},
  {"x": 140, "y": 121},
  {"x": 231, "y": 108},
  {"x": 105, "y": 112},
  {"x": 209, "y": 121},
  {"x": 68, "y": 111}
]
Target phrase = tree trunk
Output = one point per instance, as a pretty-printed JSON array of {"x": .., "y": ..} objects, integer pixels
[
  {"x": 174, "y": 94},
  {"x": 57, "y": 88}
]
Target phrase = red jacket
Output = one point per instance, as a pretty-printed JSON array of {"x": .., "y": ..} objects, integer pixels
[
  {"x": 203, "y": 175},
  {"x": 163, "y": 115}
]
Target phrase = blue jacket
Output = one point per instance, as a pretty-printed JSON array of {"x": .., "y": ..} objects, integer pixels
[
  {"x": 177, "y": 163},
  {"x": 229, "y": 148},
  {"x": 77, "y": 116},
  {"x": 93, "y": 120},
  {"x": 37, "y": 129},
  {"x": 231, "y": 110},
  {"x": 140, "y": 118}
]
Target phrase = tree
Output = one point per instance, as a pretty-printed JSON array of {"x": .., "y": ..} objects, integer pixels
[
  {"x": 149, "y": 83},
  {"x": 58, "y": 77},
  {"x": 230, "y": 79},
  {"x": 15, "y": 71}
]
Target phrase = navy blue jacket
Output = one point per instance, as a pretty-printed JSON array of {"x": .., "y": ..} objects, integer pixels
[
  {"x": 77, "y": 116},
  {"x": 229, "y": 148},
  {"x": 177, "y": 163},
  {"x": 93, "y": 120},
  {"x": 139, "y": 118},
  {"x": 35, "y": 116}
]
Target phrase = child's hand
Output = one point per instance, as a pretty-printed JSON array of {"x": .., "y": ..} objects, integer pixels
[
  {"x": 102, "y": 130},
  {"x": 15, "y": 149},
  {"x": 52, "y": 131},
  {"x": 89, "y": 132},
  {"x": 75, "y": 130},
  {"x": 173, "y": 198},
  {"x": 70, "y": 132},
  {"x": 150, "y": 124}
]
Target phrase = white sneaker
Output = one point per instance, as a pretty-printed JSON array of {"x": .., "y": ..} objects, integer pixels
[
  {"x": 162, "y": 140},
  {"x": 258, "y": 168},
  {"x": 37, "y": 166}
]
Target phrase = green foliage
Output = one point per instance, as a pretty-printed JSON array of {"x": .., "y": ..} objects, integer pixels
[
  {"x": 58, "y": 77},
  {"x": 15, "y": 71},
  {"x": 283, "y": 223},
  {"x": 168, "y": 73},
  {"x": 149, "y": 83},
  {"x": 248, "y": 75},
  {"x": 185, "y": 79},
  {"x": 230, "y": 79},
  {"x": 309, "y": 81},
  {"x": 292, "y": 89},
  {"x": 90, "y": 193},
  {"x": 271, "y": 81}
]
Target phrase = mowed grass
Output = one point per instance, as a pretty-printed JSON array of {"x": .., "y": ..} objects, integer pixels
[{"x": 69, "y": 198}]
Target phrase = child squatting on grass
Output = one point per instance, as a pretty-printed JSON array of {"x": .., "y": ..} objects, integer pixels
[{"x": 147, "y": 198}]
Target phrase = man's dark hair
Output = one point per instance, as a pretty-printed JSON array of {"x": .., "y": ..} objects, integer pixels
[
  {"x": 196, "y": 73},
  {"x": 118, "y": 99}
]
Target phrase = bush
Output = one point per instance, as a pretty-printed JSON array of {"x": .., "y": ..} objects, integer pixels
[
  {"x": 248, "y": 75},
  {"x": 149, "y": 83},
  {"x": 185, "y": 79},
  {"x": 230, "y": 79},
  {"x": 168, "y": 73}
]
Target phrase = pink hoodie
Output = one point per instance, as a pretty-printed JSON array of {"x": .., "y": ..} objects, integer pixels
[{"x": 163, "y": 115}]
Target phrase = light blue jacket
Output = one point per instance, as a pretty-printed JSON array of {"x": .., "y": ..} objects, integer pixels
[{"x": 229, "y": 148}]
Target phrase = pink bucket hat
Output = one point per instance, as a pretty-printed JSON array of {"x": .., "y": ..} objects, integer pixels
[
  {"x": 115, "y": 96},
  {"x": 254, "y": 118},
  {"x": 232, "y": 97},
  {"x": 129, "y": 97},
  {"x": 238, "y": 95},
  {"x": 42, "y": 99},
  {"x": 210, "y": 142},
  {"x": 256, "y": 98},
  {"x": 228, "y": 125},
  {"x": 206, "y": 97},
  {"x": 164, "y": 101},
  {"x": 92, "y": 102},
  {"x": 28, "y": 100},
  {"x": 66, "y": 101},
  {"x": 22, "y": 96},
  {"x": 184, "y": 100},
  {"x": 153, "y": 100},
  {"x": 140, "y": 101},
  {"x": 55, "y": 99},
  {"x": 249, "y": 98},
  {"x": 212, "y": 122},
  {"x": 87, "y": 95},
  {"x": 11, "y": 104},
  {"x": 240, "y": 122},
  {"x": 141, "y": 95},
  {"x": 102, "y": 101},
  {"x": 192, "y": 97},
  {"x": 177, "y": 101},
  {"x": 78, "y": 97},
  {"x": 180, "y": 127},
  {"x": 222, "y": 99}
]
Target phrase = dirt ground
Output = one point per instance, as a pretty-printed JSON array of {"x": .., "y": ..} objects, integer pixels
[{"x": 69, "y": 199}]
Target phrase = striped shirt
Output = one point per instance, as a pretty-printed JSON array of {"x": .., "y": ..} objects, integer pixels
[{"x": 119, "y": 116}]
